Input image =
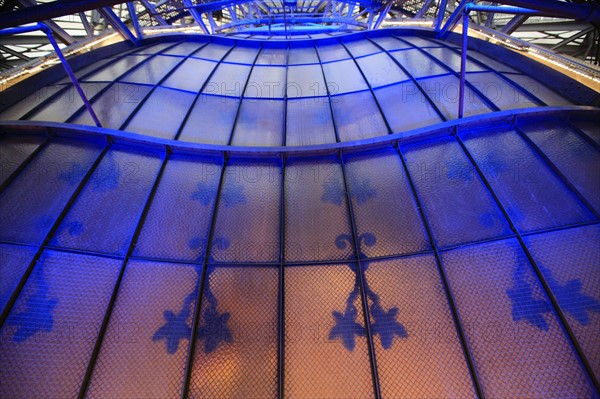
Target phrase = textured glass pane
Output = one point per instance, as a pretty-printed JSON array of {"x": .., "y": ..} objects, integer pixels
[
  {"x": 444, "y": 92},
  {"x": 228, "y": 80},
  {"x": 32, "y": 202},
  {"x": 212, "y": 51},
  {"x": 326, "y": 353},
  {"x": 145, "y": 347},
  {"x": 162, "y": 113},
  {"x": 242, "y": 55},
  {"x": 309, "y": 122},
  {"x": 116, "y": 69},
  {"x": 548, "y": 96},
  {"x": 518, "y": 345},
  {"x": 260, "y": 123},
  {"x": 499, "y": 91},
  {"x": 155, "y": 48},
  {"x": 67, "y": 103},
  {"x": 184, "y": 49},
  {"x": 177, "y": 222},
  {"x": 405, "y": 107},
  {"x": 14, "y": 260},
  {"x": 236, "y": 351},
  {"x": 456, "y": 203},
  {"x": 570, "y": 263},
  {"x": 332, "y": 52},
  {"x": 589, "y": 128},
  {"x": 316, "y": 212},
  {"x": 37, "y": 97},
  {"x": 272, "y": 56},
  {"x": 452, "y": 59},
  {"x": 247, "y": 225},
  {"x": 305, "y": 81},
  {"x": 390, "y": 43},
  {"x": 152, "y": 71},
  {"x": 385, "y": 212},
  {"x": 106, "y": 212},
  {"x": 357, "y": 116},
  {"x": 266, "y": 82},
  {"x": 344, "y": 77},
  {"x": 574, "y": 156},
  {"x": 115, "y": 105},
  {"x": 417, "y": 63},
  {"x": 381, "y": 70},
  {"x": 14, "y": 150},
  {"x": 418, "y": 351},
  {"x": 50, "y": 333},
  {"x": 211, "y": 120},
  {"x": 190, "y": 75},
  {"x": 302, "y": 55},
  {"x": 490, "y": 62},
  {"x": 533, "y": 196},
  {"x": 361, "y": 47},
  {"x": 419, "y": 41}
]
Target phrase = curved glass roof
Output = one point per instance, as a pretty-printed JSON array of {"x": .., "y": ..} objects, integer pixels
[{"x": 335, "y": 245}]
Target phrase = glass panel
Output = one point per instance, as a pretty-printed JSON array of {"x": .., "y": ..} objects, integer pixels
[
  {"x": 162, "y": 113},
  {"x": 405, "y": 107},
  {"x": 420, "y": 42},
  {"x": 309, "y": 122},
  {"x": 570, "y": 263},
  {"x": 490, "y": 62},
  {"x": 344, "y": 77},
  {"x": 361, "y": 47},
  {"x": 228, "y": 80},
  {"x": 272, "y": 56},
  {"x": 177, "y": 222},
  {"x": 574, "y": 156},
  {"x": 251, "y": 193},
  {"x": 266, "y": 82},
  {"x": 385, "y": 212},
  {"x": 50, "y": 333},
  {"x": 242, "y": 55},
  {"x": 302, "y": 55},
  {"x": 152, "y": 71},
  {"x": 260, "y": 123},
  {"x": 456, "y": 203},
  {"x": 62, "y": 107},
  {"x": 326, "y": 353},
  {"x": 517, "y": 342},
  {"x": 154, "y": 49},
  {"x": 116, "y": 69},
  {"x": 452, "y": 59},
  {"x": 381, "y": 70},
  {"x": 498, "y": 91},
  {"x": 590, "y": 128},
  {"x": 357, "y": 116},
  {"x": 13, "y": 263},
  {"x": 211, "y": 120},
  {"x": 183, "y": 49},
  {"x": 106, "y": 212},
  {"x": 37, "y": 97},
  {"x": 444, "y": 92},
  {"x": 316, "y": 212},
  {"x": 115, "y": 105},
  {"x": 532, "y": 195},
  {"x": 418, "y": 64},
  {"x": 332, "y": 52},
  {"x": 145, "y": 348},
  {"x": 190, "y": 75},
  {"x": 390, "y": 43},
  {"x": 212, "y": 51},
  {"x": 236, "y": 352},
  {"x": 31, "y": 203},
  {"x": 14, "y": 150},
  {"x": 305, "y": 81},
  {"x": 418, "y": 351},
  {"x": 539, "y": 90}
]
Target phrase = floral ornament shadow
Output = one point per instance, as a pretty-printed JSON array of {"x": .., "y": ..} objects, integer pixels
[
  {"x": 213, "y": 329},
  {"x": 37, "y": 315},
  {"x": 385, "y": 323}
]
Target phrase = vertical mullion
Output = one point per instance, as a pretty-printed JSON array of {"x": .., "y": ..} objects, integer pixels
[
  {"x": 281, "y": 295},
  {"x": 337, "y": 136},
  {"x": 15, "y": 295},
  {"x": 158, "y": 83},
  {"x": 556, "y": 306},
  {"x": 387, "y": 125},
  {"x": 447, "y": 290},
  {"x": 414, "y": 81},
  {"x": 198, "y": 305},
  {"x": 24, "y": 164},
  {"x": 361, "y": 277},
  {"x": 109, "y": 309},
  {"x": 241, "y": 98},
  {"x": 189, "y": 112},
  {"x": 285, "y": 98}
]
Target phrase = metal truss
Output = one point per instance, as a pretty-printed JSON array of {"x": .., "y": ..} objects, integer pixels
[{"x": 570, "y": 28}]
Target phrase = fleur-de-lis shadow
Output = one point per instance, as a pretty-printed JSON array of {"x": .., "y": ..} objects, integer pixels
[
  {"x": 524, "y": 305},
  {"x": 37, "y": 315},
  {"x": 234, "y": 195},
  {"x": 213, "y": 328},
  {"x": 385, "y": 323},
  {"x": 334, "y": 192}
]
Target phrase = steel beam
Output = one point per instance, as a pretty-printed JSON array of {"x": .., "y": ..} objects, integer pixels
[
  {"x": 582, "y": 12},
  {"x": 514, "y": 24},
  {"x": 14, "y": 53},
  {"x": 118, "y": 25}
]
